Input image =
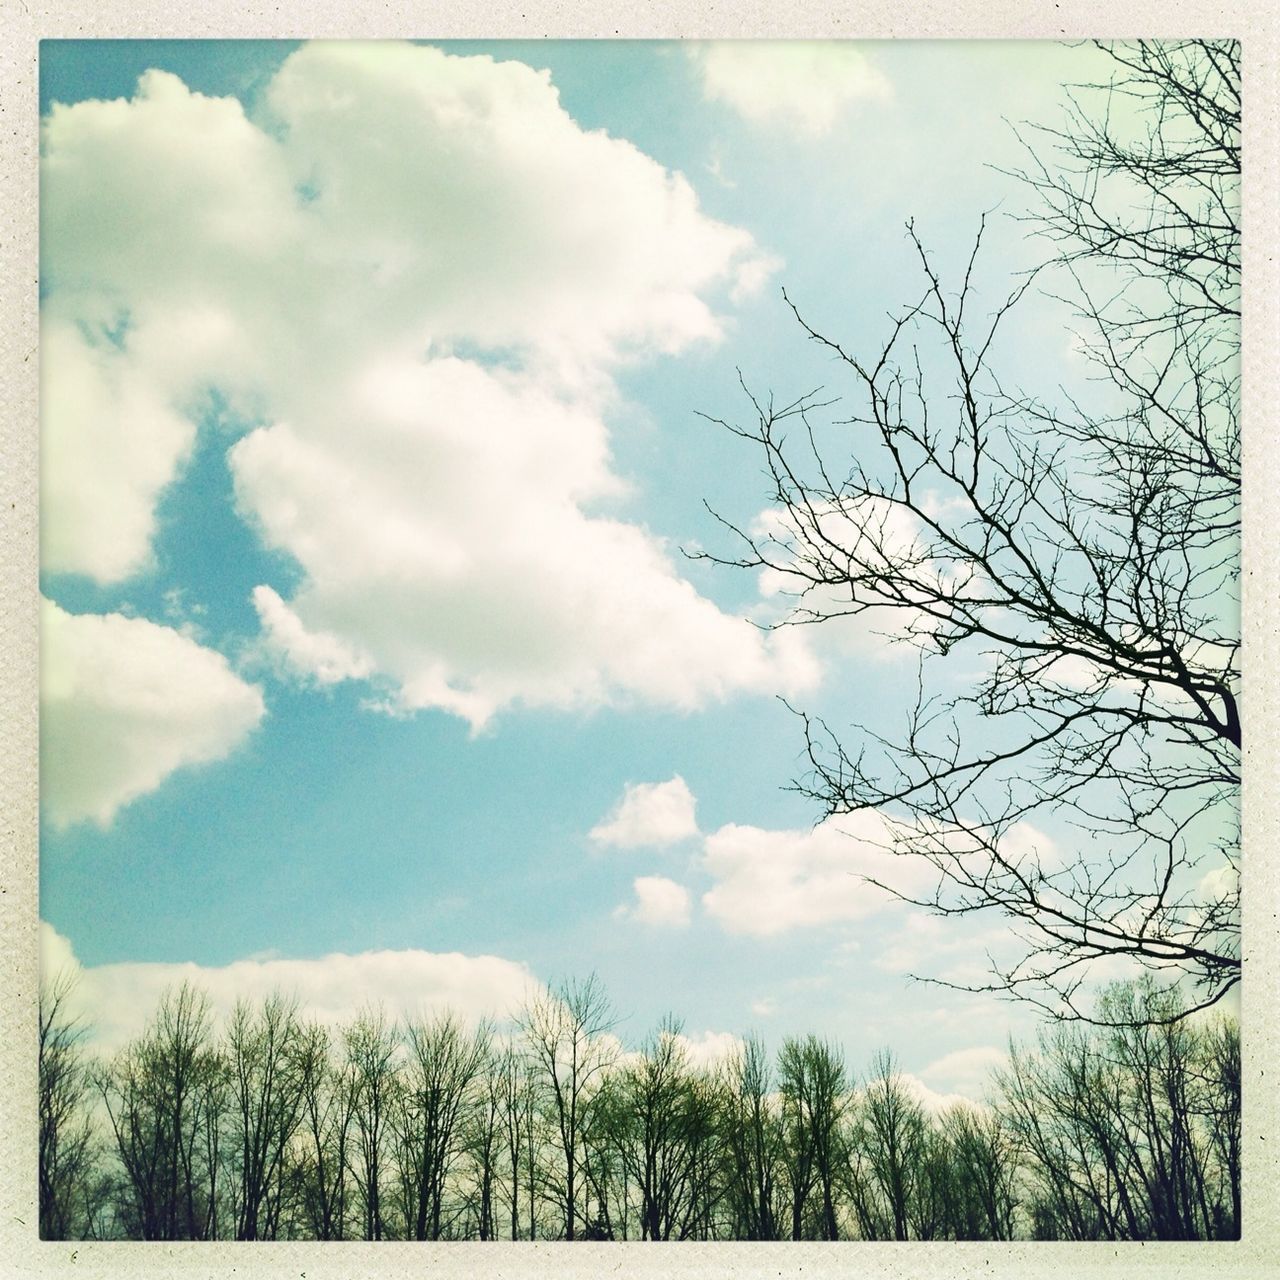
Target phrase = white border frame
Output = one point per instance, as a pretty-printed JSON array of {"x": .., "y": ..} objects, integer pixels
[{"x": 22, "y": 27}]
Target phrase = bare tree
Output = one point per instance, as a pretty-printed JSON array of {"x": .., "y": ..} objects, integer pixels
[
  {"x": 266, "y": 1082},
  {"x": 371, "y": 1052},
  {"x": 754, "y": 1143},
  {"x": 1119, "y": 1126},
  {"x": 1083, "y": 554},
  {"x": 662, "y": 1123},
  {"x": 565, "y": 1032},
  {"x": 983, "y": 1160},
  {"x": 812, "y": 1085},
  {"x": 888, "y": 1150},
  {"x": 68, "y": 1180},
  {"x": 165, "y": 1097},
  {"x": 1128, "y": 1131},
  {"x": 444, "y": 1063},
  {"x": 516, "y": 1093},
  {"x": 484, "y": 1133},
  {"x": 327, "y": 1091}
]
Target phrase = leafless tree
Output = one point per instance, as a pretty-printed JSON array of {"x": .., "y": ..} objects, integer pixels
[
  {"x": 983, "y": 1165},
  {"x": 1079, "y": 549},
  {"x": 662, "y": 1120},
  {"x": 371, "y": 1054},
  {"x": 517, "y": 1093},
  {"x": 444, "y": 1064},
  {"x": 754, "y": 1143},
  {"x": 483, "y": 1138},
  {"x": 327, "y": 1091},
  {"x": 263, "y": 1045},
  {"x": 165, "y": 1099},
  {"x": 888, "y": 1150},
  {"x": 69, "y": 1183},
  {"x": 1130, "y": 1131},
  {"x": 812, "y": 1085},
  {"x": 565, "y": 1033},
  {"x": 1118, "y": 1130}
]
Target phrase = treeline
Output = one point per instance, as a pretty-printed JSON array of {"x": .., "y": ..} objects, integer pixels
[{"x": 278, "y": 1128}]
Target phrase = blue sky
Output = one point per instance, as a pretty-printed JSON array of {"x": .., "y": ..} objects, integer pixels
[{"x": 372, "y": 445}]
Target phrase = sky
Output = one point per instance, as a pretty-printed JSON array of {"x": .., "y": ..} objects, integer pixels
[{"x": 378, "y": 439}]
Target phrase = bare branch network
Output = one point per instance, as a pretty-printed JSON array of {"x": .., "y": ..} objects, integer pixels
[{"x": 1084, "y": 546}]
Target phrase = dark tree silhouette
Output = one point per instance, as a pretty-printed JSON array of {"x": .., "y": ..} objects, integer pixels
[
  {"x": 165, "y": 1098},
  {"x": 402, "y": 1132},
  {"x": 68, "y": 1187},
  {"x": 564, "y": 1030},
  {"x": 1080, "y": 549}
]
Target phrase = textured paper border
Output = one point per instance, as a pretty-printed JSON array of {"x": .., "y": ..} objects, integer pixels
[{"x": 25, "y": 23}]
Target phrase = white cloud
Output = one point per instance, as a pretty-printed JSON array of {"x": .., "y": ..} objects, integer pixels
[
  {"x": 930, "y": 1099},
  {"x": 124, "y": 702},
  {"x": 795, "y": 85},
  {"x": 110, "y": 441},
  {"x": 659, "y": 901},
  {"x": 962, "y": 951},
  {"x": 881, "y": 535},
  {"x": 969, "y": 1072},
  {"x": 418, "y": 289},
  {"x": 710, "y": 1049},
  {"x": 316, "y": 654},
  {"x": 1219, "y": 884},
  {"x": 115, "y": 1000},
  {"x": 650, "y": 814},
  {"x": 765, "y": 1007},
  {"x": 771, "y": 882}
]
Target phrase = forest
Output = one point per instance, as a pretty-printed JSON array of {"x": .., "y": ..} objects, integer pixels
[{"x": 269, "y": 1127}]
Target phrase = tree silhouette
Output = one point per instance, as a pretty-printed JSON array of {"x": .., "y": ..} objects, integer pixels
[{"x": 1080, "y": 549}]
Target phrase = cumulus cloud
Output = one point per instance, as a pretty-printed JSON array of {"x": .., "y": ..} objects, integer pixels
[
  {"x": 770, "y": 882},
  {"x": 965, "y": 1071},
  {"x": 124, "y": 702},
  {"x": 932, "y": 1100},
  {"x": 115, "y": 1000},
  {"x": 797, "y": 85},
  {"x": 659, "y": 901},
  {"x": 414, "y": 291},
  {"x": 1219, "y": 885},
  {"x": 110, "y": 442},
  {"x": 710, "y": 1049},
  {"x": 650, "y": 814}
]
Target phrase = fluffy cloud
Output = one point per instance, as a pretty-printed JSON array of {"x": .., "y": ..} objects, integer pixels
[
  {"x": 650, "y": 814},
  {"x": 1220, "y": 884},
  {"x": 659, "y": 901},
  {"x": 415, "y": 289},
  {"x": 115, "y": 1000},
  {"x": 771, "y": 882},
  {"x": 797, "y": 85},
  {"x": 124, "y": 702},
  {"x": 110, "y": 442},
  {"x": 966, "y": 1071},
  {"x": 933, "y": 1101},
  {"x": 710, "y": 1049}
]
